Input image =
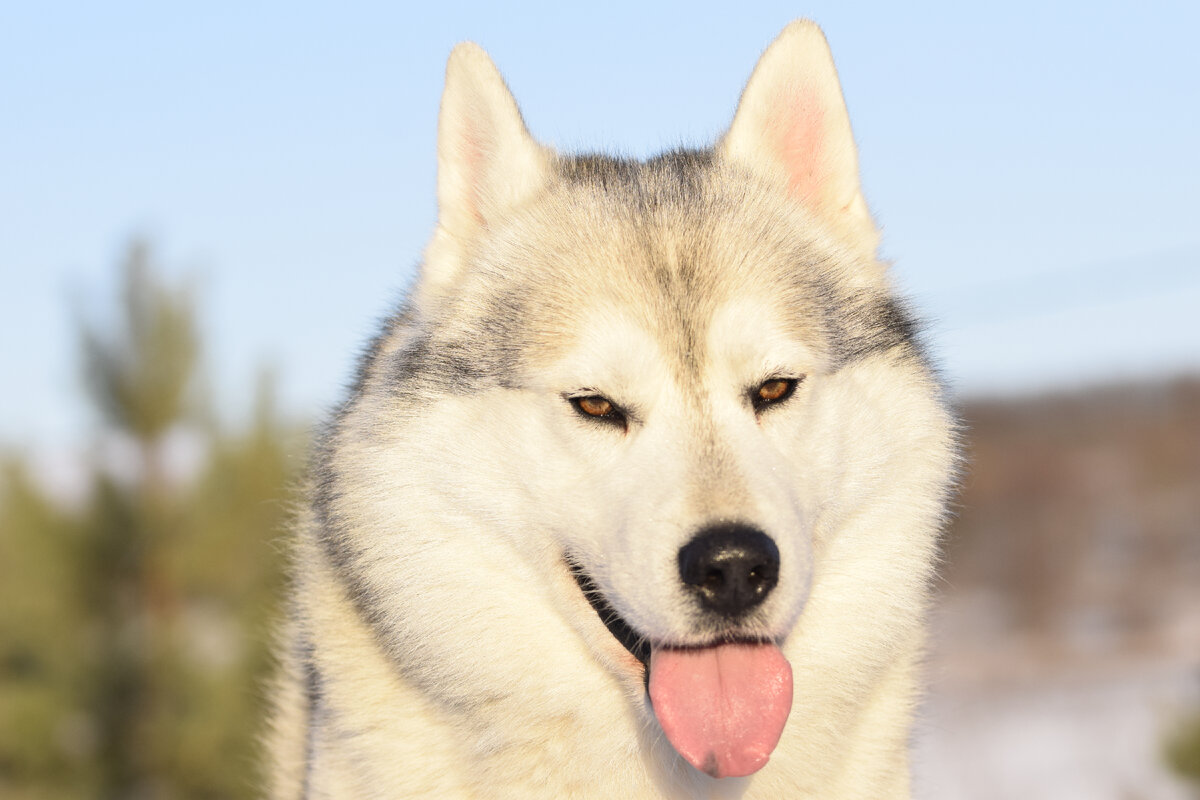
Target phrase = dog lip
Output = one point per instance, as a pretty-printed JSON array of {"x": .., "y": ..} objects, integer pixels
[
  {"x": 622, "y": 631},
  {"x": 638, "y": 645}
]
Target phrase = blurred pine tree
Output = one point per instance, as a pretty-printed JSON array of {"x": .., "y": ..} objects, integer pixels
[
  {"x": 134, "y": 629},
  {"x": 47, "y": 736}
]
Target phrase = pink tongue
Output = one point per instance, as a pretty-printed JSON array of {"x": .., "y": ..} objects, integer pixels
[{"x": 724, "y": 707}]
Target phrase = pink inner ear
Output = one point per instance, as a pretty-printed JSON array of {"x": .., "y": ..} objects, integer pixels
[
  {"x": 797, "y": 134},
  {"x": 471, "y": 156}
]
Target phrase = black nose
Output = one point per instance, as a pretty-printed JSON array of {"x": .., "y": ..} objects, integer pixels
[{"x": 731, "y": 568}]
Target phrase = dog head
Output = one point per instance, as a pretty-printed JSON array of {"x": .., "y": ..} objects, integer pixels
[{"x": 676, "y": 382}]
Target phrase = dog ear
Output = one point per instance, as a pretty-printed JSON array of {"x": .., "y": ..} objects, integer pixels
[
  {"x": 487, "y": 162},
  {"x": 791, "y": 125}
]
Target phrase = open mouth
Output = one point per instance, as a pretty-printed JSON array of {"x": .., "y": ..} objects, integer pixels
[
  {"x": 630, "y": 639},
  {"x": 722, "y": 706}
]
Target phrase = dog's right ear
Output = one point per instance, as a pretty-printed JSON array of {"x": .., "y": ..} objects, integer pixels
[{"x": 487, "y": 161}]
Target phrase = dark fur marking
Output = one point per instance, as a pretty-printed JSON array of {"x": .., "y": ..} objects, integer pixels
[
  {"x": 437, "y": 369},
  {"x": 432, "y": 368},
  {"x": 441, "y": 362},
  {"x": 686, "y": 171},
  {"x": 874, "y": 324},
  {"x": 335, "y": 542},
  {"x": 314, "y": 692},
  {"x": 330, "y": 536},
  {"x": 367, "y": 358}
]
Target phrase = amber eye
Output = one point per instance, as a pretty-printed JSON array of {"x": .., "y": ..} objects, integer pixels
[
  {"x": 600, "y": 408},
  {"x": 773, "y": 391},
  {"x": 595, "y": 406}
]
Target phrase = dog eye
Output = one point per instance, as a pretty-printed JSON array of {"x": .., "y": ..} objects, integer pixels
[
  {"x": 772, "y": 391},
  {"x": 594, "y": 406},
  {"x": 598, "y": 407}
]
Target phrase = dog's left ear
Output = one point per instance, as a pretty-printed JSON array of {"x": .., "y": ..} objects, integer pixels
[{"x": 791, "y": 125}]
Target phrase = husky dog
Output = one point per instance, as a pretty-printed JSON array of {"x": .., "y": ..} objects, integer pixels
[{"x": 638, "y": 494}]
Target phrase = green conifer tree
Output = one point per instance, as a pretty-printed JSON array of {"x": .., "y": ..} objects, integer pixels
[
  {"x": 139, "y": 375},
  {"x": 134, "y": 626}
]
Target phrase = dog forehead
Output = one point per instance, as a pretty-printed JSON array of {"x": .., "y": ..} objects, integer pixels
[
  {"x": 664, "y": 247},
  {"x": 752, "y": 333},
  {"x": 617, "y": 344},
  {"x": 612, "y": 348}
]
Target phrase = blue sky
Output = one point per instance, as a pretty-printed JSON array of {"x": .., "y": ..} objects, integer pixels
[{"x": 1034, "y": 167}]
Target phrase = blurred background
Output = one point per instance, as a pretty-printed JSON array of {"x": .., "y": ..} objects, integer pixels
[{"x": 205, "y": 210}]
